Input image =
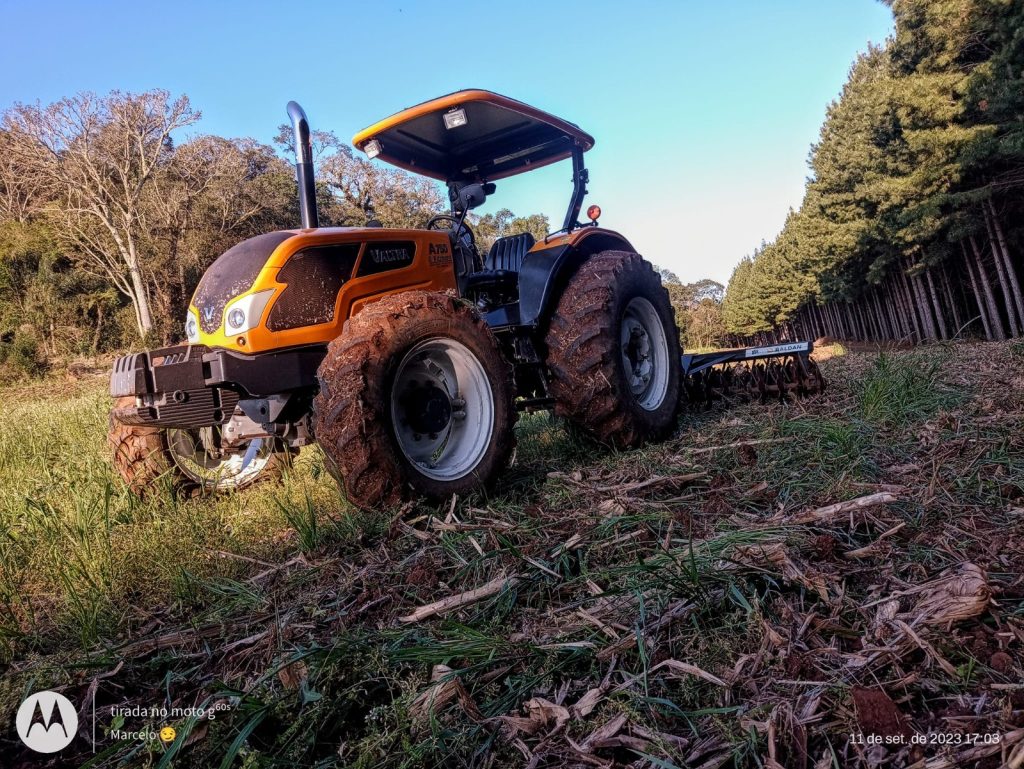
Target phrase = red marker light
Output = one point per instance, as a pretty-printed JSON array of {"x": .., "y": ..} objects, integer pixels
[{"x": 594, "y": 213}]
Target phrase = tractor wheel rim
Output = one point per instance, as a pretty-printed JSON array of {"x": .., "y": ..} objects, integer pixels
[
  {"x": 442, "y": 409},
  {"x": 644, "y": 349},
  {"x": 233, "y": 468}
]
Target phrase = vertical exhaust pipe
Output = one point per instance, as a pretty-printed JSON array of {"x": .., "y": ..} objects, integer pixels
[{"x": 304, "y": 166}]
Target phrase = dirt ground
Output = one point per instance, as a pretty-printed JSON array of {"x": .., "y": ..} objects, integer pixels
[{"x": 835, "y": 582}]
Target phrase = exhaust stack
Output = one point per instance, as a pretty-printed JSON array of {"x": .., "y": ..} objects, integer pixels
[{"x": 304, "y": 166}]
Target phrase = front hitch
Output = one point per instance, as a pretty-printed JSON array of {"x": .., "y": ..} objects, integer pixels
[{"x": 170, "y": 388}]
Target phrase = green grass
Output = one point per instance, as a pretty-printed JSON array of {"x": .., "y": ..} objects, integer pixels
[
  {"x": 80, "y": 552},
  {"x": 284, "y": 604},
  {"x": 898, "y": 389}
]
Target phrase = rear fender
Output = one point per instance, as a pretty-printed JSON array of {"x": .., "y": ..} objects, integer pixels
[{"x": 548, "y": 268}]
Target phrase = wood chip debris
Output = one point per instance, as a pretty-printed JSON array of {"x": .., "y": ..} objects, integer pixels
[{"x": 459, "y": 600}]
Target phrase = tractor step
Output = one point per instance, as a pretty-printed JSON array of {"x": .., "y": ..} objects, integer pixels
[{"x": 777, "y": 372}]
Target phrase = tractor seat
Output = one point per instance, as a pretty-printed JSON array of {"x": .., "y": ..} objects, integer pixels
[
  {"x": 492, "y": 281},
  {"x": 507, "y": 253}
]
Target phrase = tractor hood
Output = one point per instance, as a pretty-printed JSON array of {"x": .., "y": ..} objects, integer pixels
[
  {"x": 231, "y": 274},
  {"x": 298, "y": 287}
]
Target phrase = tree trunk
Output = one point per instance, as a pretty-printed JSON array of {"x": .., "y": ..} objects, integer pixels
[
  {"x": 927, "y": 321},
  {"x": 873, "y": 316},
  {"x": 99, "y": 329},
  {"x": 953, "y": 303},
  {"x": 978, "y": 300},
  {"x": 994, "y": 317},
  {"x": 939, "y": 311},
  {"x": 869, "y": 315},
  {"x": 876, "y": 313},
  {"x": 1004, "y": 281},
  {"x": 895, "y": 319},
  {"x": 915, "y": 306},
  {"x": 141, "y": 301},
  {"x": 926, "y": 306},
  {"x": 865, "y": 321},
  {"x": 1011, "y": 273},
  {"x": 892, "y": 308},
  {"x": 880, "y": 308},
  {"x": 899, "y": 317},
  {"x": 911, "y": 315}
]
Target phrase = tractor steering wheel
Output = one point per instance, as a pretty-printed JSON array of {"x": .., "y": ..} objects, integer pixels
[{"x": 453, "y": 223}]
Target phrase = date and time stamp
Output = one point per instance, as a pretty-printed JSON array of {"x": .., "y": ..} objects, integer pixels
[{"x": 937, "y": 739}]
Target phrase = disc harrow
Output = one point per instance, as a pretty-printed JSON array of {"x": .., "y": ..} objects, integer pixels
[{"x": 778, "y": 373}]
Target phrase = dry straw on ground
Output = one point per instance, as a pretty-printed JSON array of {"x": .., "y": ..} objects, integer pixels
[{"x": 858, "y": 568}]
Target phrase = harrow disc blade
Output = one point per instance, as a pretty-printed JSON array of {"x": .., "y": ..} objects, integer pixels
[{"x": 784, "y": 379}]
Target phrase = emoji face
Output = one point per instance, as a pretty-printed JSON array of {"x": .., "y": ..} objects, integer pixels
[{"x": 167, "y": 734}]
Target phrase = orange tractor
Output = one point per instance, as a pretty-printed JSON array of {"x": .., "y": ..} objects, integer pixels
[{"x": 406, "y": 354}]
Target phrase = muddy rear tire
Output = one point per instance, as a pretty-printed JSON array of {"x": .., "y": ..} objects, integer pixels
[
  {"x": 613, "y": 352},
  {"x": 415, "y": 399},
  {"x": 145, "y": 456}
]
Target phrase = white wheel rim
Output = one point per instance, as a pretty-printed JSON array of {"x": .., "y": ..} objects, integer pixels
[
  {"x": 442, "y": 409},
  {"x": 234, "y": 468},
  {"x": 644, "y": 349}
]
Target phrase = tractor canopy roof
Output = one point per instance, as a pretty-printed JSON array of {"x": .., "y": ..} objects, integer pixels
[{"x": 471, "y": 135}]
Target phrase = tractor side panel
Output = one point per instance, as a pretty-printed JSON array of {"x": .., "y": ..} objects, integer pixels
[
  {"x": 422, "y": 262},
  {"x": 548, "y": 267},
  {"x": 312, "y": 279}
]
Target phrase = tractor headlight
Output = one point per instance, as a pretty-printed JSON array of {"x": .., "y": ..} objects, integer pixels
[
  {"x": 191, "y": 328},
  {"x": 245, "y": 313}
]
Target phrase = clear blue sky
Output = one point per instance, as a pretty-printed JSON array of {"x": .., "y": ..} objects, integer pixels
[{"x": 703, "y": 112}]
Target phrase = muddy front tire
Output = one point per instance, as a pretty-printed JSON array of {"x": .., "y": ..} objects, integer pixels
[
  {"x": 613, "y": 352},
  {"x": 415, "y": 398},
  {"x": 145, "y": 456}
]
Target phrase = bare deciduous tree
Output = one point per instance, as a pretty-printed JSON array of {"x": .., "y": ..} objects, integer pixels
[
  {"x": 97, "y": 156},
  {"x": 209, "y": 195},
  {"x": 364, "y": 191},
  {"x": 21, "y": 193},
  {"x": 359, "y": 190}
]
